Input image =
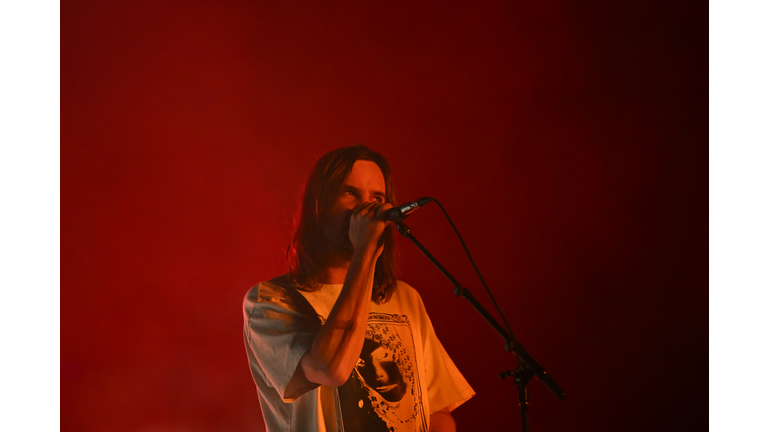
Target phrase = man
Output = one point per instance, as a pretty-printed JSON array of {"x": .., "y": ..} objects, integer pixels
[{"x": 338, "y": 344}]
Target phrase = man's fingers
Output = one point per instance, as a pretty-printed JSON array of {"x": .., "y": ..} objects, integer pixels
[
  {"x": 375, "y": 208},
  {"x": 362, "y": 209}
]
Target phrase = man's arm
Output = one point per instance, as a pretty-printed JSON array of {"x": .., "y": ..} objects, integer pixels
[
  {"x": 338, "y": 344},
  {"x": 442, "y": 421}
]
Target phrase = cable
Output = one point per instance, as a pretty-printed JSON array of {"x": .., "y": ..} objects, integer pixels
[{"x": 493, "y": 300}]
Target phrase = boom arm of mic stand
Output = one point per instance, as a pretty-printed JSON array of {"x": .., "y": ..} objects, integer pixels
[{"x": 516, "y": 347}]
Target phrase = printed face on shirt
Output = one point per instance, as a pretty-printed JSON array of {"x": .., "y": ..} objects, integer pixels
[
  {"x": 365, "y": 184},
  {"x": 380, "y": 370}
]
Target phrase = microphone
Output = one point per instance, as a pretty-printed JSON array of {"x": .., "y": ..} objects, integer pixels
[{"x": 397, "y": 214}]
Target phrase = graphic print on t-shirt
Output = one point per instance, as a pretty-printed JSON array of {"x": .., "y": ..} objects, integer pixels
[{"x": 383, "y": 392}]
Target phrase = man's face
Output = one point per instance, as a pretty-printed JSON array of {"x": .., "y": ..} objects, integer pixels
[{"x": 364, "y": 185}]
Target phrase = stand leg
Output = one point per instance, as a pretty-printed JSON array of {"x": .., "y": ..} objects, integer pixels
[
  {"x": 522, "y": 375},
  {"x": 522, "y": 396}
]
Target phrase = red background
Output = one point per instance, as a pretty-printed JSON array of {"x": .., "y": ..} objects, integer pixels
[{"x": 567, "y": 140}]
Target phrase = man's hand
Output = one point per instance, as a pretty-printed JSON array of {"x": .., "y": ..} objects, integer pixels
[{"x": 366, "y": 226}]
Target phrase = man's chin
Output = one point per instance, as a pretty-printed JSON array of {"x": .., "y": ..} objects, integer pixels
[{"x": 341, "y": 253}]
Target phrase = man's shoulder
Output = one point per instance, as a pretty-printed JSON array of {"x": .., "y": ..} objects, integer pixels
[
  {"x": 280, "y": 289},
  {"x": 406, "y": 294},
  {"x": 405, "y": 289}
]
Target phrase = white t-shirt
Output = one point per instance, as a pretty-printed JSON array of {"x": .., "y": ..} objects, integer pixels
[{"x": 403, "y": 374}]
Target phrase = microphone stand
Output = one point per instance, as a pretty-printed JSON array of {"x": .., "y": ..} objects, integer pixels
[{"x": 527, "y": 367}]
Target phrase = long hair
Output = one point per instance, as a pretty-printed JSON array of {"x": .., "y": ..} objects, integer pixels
[{"x": 308, "y": 250}]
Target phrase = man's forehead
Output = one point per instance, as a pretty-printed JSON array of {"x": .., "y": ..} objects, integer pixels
[{"x": 366, "y": 174}]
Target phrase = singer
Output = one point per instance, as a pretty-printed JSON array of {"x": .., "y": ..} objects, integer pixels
[{"x": 337, "y": 343}]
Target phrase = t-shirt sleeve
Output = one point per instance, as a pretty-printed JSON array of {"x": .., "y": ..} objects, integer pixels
[
  {"x": 280, "y": 327},
  {"x": 446, "y": 386}
]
